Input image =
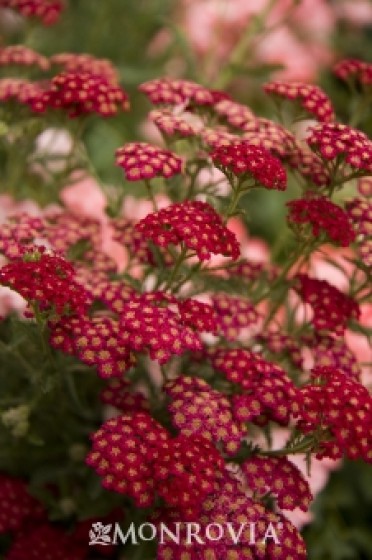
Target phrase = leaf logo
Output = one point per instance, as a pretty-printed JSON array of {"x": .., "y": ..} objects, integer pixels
[{"x": 100, "y": 534}]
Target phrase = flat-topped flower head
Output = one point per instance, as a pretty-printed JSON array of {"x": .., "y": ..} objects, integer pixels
[
  {"x": 279, "y": 477},
  {"x": 252, "y": 162},
  {"x": 142, "y": 161},
  {"x": 360, "y": 213},
  {"x": 19, "y": 55},
  {"x": 198, "y": 315},
  {"x": 172, "y": 125},
  {"x": 311, "y": 98},
  {"x": 48, "y": 11},
  {"x": 192, "y": 223},
  {"x": 47, "y": 282},
  {"x": 270, "y": 136},
  {"x": 81, "y": 62},
  {"x": 19, "y": 90},
  {"x": 341, "y": 407},
  {"x": 309, "y": 165},
  {"x": 17, "y": 505},
  {"x": 171, "y": 91},
  {"x": 267, "y": 390},
  {"x": 354, "y": 70},
  {"x": 235, "y": 114},
  {"x": 18, "y": 234},
  {"x": 117, "y": 393},
  {"x": 328, "y": 351},
  {"x": 217, "y": 137},
  {"x": 82, "y": 93},
  {"x": 282, "y": 346},
  {"x": 334, "y": 140},
  {"x": 234, "y": 314},
  {"x": 152, "y": 322},
  {"x": 323, "y": 216},
  {"x": 332, "y": 309},
  {"x": 198, "y": 409}
]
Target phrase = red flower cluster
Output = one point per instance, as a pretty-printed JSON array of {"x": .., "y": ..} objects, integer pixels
[
  {"x": 354, "y": 69},
  {"x": 48, "y": 11},
  {"x": 47, "y": 282},
  {"x": 360, "y": 213},
  {"x": 117, "y": 393},
  {"x": 17, "y": 505},
  {"x": 82, "y": 63},
  {"x": 47, "y": 542},
  {"x": 248, "y": 161},
  {"x": 152, "y": 322},
  {"x": 185, "y": 471},
  {"x": 96, "y": 342},
  {"x": 341, "y": 408},
  {"x": 279, "y": 477},
  {"x": 268, "y": 391},
  {"x": 17, "y": 233},
  {"x": 19, "y": 90},
  {"x": 82, "y": 93},
  {"x": 282, "y": 344},
  {"x": 323, "y": 216},
  {"x": 169, "y": 91},
  {"x": 230, "y": 505},
  {"x": 198, "y": 315},
  {"x": 333, "y": 352},
  {"x": 136, "y": 456},
  {"x": 23, "y": 56},
  {"x": 332, "y": 140},
  {"x": 309, "y": 165},
  {"x": 197, "y": 409},
  {"x": 332, "y": 309},
  {"x": 251, "y": 271},
  {"x": 172, "y": 125},
  {"x": 113, "y": 293},
  {"x": 236, "y": 114},
  {"x": 217, "y": 137},
  {"x": 270, "y": 136},
  {"x": 194, "y": 223},
  {"x": 311, "y": 98},
  {"x": 144, "y": 161},
  {"x": 234, "y": 314}
]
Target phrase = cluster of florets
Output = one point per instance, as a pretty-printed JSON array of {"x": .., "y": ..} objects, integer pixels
[
  {"x": 117, "y": 393},
  {"x": 172, "y": 125},
  {"x": 309, "y": 165},
  {"x": 339, "y": 409},
  {"x": 354, "y": 69},
  {"x": 360, "y": 213},
  {"x": 251, "y": 271},
  {"x": 47, "y": 282},
  {"x": 82, "y": 63},
  {"x": 192, "y": 223},
  {"x": 323, "y": 216},
  {"x": 281, "y": 478},
  {"x": 18, "y": 233},
  {"x": 311, "y": 98},
  {"x": 234, "y": 314},
  {"x": 230, "y": 505},
  {"x": 95, "y": 342},
  {"x": 17, "y": 505},
  {"x": 236, "y": 114},
  {"x": 144, "y": 161},
  {"x": 82, "y": 93},
  {"x": 22, "y": 56},
  {"x": 152, "y": 322},
  {"x": 271, "y": 136},
  {"x": 328, "y": 351},
  {"x": 251, "y": 162},
  {"x": 169, "y": 91},
  {"x": 20, "y": 90},
  {"x": 332, "y": 309},
  {"x": 199, "y": 316},
  {"x": 268, "y": 393},
  {"x": 334, "y": 140},
  {"x": 283, "y": 345},
  {"x": 197, "y": 409},
  {"x": 136, "y": 456},
  {"x": 48, "y": 11}
]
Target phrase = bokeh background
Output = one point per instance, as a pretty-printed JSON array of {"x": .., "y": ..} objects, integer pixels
[{"x": 235, "y": 45}]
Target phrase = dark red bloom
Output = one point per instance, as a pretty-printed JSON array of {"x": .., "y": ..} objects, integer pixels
[
  {"x": 328, "y": 351},
  {"x": 311, "y": 98},
  {"x": 271, "y": 136},
  {"x": 82, "y": 93},
  {"x": 331, "y": 308},
  {"x": 352, "y": 69},
  {"x": 17, "y": 505},
  {"x": 48, "y": 11},
  {"x": 234, "y": 314},
  {"x": 82, "y": 63},
  {"x": 194, "y": 223},
  {"x": 118, "y": 393},
  {"x": 323, "y": 216},
  {"x": 199, "y": 316},
  {"x": 309, "y": 165},
  {"x": 360, "y": 213},
  {"x": 144, "y": 161},
  {"x": 251, "y": 162},
  {"x": 279, "y": 477},
  {"x": 171, "y": 91}
]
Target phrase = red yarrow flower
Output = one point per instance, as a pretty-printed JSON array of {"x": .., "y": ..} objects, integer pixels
[
  {"x": 360, "y": 213},
  {"x": 77, "y": 63},
  {"x": 172, "y": 125},
  {"x": 197, "y": 409},
  {"x": 19, "y": 55},
  {"x": 234, "y": 314},
  {"x": 236, "y": 114},
  {"x": 251, "y": 162},
  {"x": 118, "y": 393},
  {"x": 340, "y": 408},
  {"x": 331, "y": 308},
  {"x": 281, "y": 478},
  {"x": 82, "y": 93},
  {"x": 170, "y": 91},
  {"x": 48, "y": 11},
  {"x": 328, "y": 351},
  {"x": 142, "y": 161},
  {"x": 19, "y": 90},
  {"x": 194, "y": 224},
  {"x": 311, "y": 98},
  {"x": 17, "y": 505},
  {"x": 323, "y": 216},
  {"x": 354, "y": 70}
]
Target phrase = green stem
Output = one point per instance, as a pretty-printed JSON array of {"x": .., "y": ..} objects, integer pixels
[{"x": 180, "y": 260}]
